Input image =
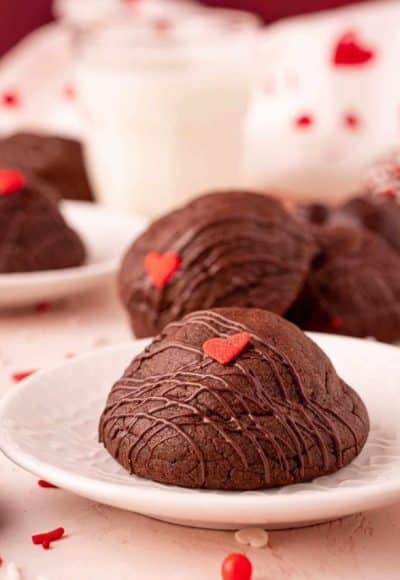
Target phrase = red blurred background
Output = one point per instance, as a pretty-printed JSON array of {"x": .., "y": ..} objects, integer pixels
[{"x": 19, "y": 17}]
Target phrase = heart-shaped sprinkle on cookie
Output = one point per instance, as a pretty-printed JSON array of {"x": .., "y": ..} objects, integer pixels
[
  {"x": 349, "y": 51},
  {"x": 161, "y": 267},
  {"x": 11, "y": 180},
  {"x": 224, "y": 350}
]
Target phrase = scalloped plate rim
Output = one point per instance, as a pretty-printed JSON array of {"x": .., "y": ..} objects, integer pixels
[{"x": 166, "y": 502}]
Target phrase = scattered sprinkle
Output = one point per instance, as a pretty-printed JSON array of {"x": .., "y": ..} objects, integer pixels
[
  {"x": 254, "y": 537},
  {"x": 162, "y": 24},
  {"x": 69, "y": 92},
  {"x": 351, "y": 121},
  {"x": 236, "y": 567},
  {"x": 44, "y": 539},
  {"x": 12, "y": 572},
  {"x": 350, "y": 51},
  {"x": 19, "y": 376},
  {"x": 224, "y": 350},
  {"x": 44, "y": 483},
  {"x": 42, "y": 307},
  {"x": 10, "y": 99},
  {"x": 303, "y": 121}
]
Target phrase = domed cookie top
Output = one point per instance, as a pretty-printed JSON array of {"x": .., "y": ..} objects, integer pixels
[
  {"x": 232, "y": 398},
  {"x": 33, "y": 233},
  {"x": 52, "y": 163},
  {"x": 223, "y": 249},
  {"x": 353, "y": 287}
]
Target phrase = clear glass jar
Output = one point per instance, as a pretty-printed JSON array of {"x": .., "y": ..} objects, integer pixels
[{"x": 163, "y": 100}]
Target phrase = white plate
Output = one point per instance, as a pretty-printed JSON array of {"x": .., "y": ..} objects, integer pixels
[
  {"x": 106, "y": 236},
  {"x": 48, "y": 425}
]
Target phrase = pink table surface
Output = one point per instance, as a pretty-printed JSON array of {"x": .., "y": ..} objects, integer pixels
[{"x": 105, "y": 543}]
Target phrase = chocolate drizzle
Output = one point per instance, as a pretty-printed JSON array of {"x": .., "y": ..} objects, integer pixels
[
  {"x": 272, "y": 426},
  {"x": 235, "y": 248}
]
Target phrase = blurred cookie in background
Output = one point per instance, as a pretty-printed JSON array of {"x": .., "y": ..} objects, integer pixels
[
  {"x": 353, "y": 287},
  {"x": 34, "y": 235},
  {"x": 53, "y": 161}
]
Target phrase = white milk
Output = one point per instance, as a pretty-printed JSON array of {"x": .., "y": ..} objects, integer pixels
[{"x": 164, "y": 122}]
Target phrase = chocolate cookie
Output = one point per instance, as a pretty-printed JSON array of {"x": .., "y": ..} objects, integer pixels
[
  {"x": 56, "y": 163},
  {"x": 232, "y": 399},
  {"x": 378, "y": 213},
  {"x": 353, "y": 287},
  {"x": 223, "y": 249},
  {"x": 33, "y": 233}
]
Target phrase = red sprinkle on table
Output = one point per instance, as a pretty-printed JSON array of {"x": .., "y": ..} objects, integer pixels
[
  {"x": 42, "y": 307},
  {"x": 44, "y": 483},
  {"x": 161, "y": 267},
  {"x": 351, "y": 120},
  {"x": 44, "y": 539},
  {"x": 10, "y": 99},
  {"x": 236, "y": 567},
  {"x": 336, "y": 323},
  {"x": 21, "y": 375},
  {"x": 1, "y": 562},
  {"x": 303, "y": 121},
  {"x": 69, "y": 92},
  {"x": 224, "y": 350},
  {"x": 162, "y": 24},
  {"x": 349, "y": 51},
  {"x": 11, "y": 181}
]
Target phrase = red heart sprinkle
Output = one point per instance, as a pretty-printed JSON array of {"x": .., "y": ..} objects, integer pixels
[
  {"x": 236, "y": 567},
  {"x": 21, "y": 375},
  {"x": 11, "y": 181},
  {"x": 223, "y": 350},
  {"x": 351, "y": 120},
  {"x": 349, "y": 51},
  {"x": 161, "y": 267},
  {"x": 10, "y": 99},
  {"x": 304, "y": 121},
  {"x": 336, "y": 323}
]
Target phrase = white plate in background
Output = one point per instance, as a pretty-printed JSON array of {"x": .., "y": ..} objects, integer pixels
[
  {"x": 48, "y": 426},
  {"x": 106, "y": 235}
]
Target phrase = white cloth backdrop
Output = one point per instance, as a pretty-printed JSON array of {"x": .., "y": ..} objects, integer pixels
[{"x": 312, "y": 126}]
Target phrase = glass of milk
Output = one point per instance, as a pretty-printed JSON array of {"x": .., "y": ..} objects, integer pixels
[{"x": 163, "y": 102}]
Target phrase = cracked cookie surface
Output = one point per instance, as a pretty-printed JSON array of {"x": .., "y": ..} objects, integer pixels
[{"x": 276, "y": 414}]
